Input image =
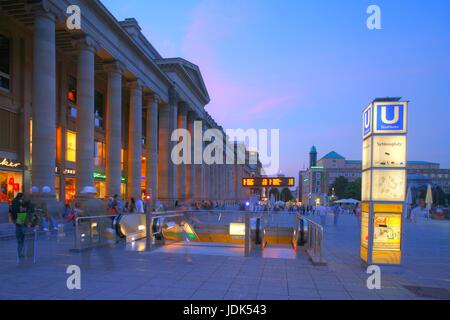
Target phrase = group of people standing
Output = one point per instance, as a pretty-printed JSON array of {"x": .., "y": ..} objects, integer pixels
[{"x": 117, "y": 206}]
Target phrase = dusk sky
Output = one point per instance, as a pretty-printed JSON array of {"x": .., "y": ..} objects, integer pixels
[{"x": 310, "y": 67}]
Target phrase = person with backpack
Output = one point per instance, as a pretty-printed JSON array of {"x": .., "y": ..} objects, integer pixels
[{"x": 18, "y": 217}]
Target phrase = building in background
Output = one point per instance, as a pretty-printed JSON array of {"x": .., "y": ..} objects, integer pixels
[
  {"x": 315, "y": 181},
  {"x": 87, "y": 114}
]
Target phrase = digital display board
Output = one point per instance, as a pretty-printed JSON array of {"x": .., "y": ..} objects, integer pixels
[{"x": 268, "y": 182}]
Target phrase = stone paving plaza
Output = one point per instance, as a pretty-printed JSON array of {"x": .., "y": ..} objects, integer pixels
[{"x": 200, "y": 273}]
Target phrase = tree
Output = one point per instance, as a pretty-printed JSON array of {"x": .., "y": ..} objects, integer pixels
[
  {"x": 275, "y": 193},
  {"x": 286, "y": 195},
  {"x": 353, "y": 190},
  {"x": 439, "y": 196},
  {"x": 339, "y": 186}
]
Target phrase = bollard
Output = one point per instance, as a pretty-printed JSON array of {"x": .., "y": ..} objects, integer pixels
[
  {"x": 149, "y": 228},
  {"x": 258, "y": 226},
  {"x": 302, "y": 232},
  {"x": 247, "y": 234},
  {"x": 61, "y": 233}
]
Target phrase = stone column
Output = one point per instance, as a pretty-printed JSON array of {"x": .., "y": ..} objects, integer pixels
[
  {"x": 113, "y": 128},
  {"x": 224, "y": 182},
  {"x": 152, "y": 147},
  {"x": 218, "y": 181},
  {"x": 44, "y": 102},
  {"x": 135, "y": 140},
  {"x": 85, "y": 117},
  {"x": 224, "y": 185},
  {"x": 163, "y": 154},
  {"x": 200, "y": 172},
  {"x": 173, "y": 124},
  {"x": 231, "y": 183},
  {"x": 213, "y": 180},
  {"x": 181, "y": 168},
  {"x": 237, "y": 182},
  {"x": 191, "y": 168}
]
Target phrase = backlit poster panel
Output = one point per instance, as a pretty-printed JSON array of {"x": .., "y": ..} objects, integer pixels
[
  {"x": 387, "y": 231},
  {"x": 365, "y": 229},
  {"x": 367, "y": 149},
  {"x": 389, "y": 151},
  {"x": 388, "y": 185},
  {"x": 365, "y": 184}
]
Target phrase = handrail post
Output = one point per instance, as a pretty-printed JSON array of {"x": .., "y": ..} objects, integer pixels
[
  {"x": 77, "y": 235},
  {"x": 321, "y": 245},
  {"x": 247, "y": 234}
]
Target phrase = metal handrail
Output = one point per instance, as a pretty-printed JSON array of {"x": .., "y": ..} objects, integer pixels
[
  {"x": 78, "y": 235},
  {"x": 315, "y": 239}
]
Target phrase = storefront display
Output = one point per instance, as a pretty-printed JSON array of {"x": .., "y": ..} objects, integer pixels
[
  {"x": 70, "y": 189},
  {"x": 11, "y": 179},
  {"x": 100, "y": 189},
  {"x": 10, "y": 185}
]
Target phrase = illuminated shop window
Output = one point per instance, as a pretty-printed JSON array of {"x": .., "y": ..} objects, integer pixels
[
  {"x": 70, "y": 189},
  {"x": 122, "y": 159},
  {"x": 99, "y": 154},
  {"x": 100, "y": 189},
  {"x": 123, "y": 190},
  {"x": 71, "y": 146},
  {"x": 72, "y": 96},
  {"x": 5, "y": 63},
  {"x": 31, "y": 141},
  {"x": 143, "y": 173},
  {"x": 10, "y": 185},
  {"x": 58, "y": 187}
]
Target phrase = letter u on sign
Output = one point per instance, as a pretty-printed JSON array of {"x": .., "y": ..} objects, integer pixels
[
  {"x": 384, "y": 118},
  {"x": 390, "y": 118},
  {"x": 367, "y": 121}
]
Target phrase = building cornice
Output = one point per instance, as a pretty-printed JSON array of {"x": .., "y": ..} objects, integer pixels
[{"x": 177, "y": 65}]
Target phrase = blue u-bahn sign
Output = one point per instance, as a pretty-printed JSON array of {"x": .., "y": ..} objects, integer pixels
[
  {"x": 390, "y": 118},
  {"x": 367, "y": 121}
]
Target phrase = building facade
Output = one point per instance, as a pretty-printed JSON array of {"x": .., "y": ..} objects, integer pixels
[
  {"x": 315, "y": 181},
  {"x": 90, "y": 113}
]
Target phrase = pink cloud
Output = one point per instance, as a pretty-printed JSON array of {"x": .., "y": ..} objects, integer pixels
[
  {"x": 271, "y": 104},
  {"x": 233, "y": 101},
  {"x": 212, "y": 22}
]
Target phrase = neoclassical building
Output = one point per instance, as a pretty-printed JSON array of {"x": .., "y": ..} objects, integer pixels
[{"x": 90, "y": 112}]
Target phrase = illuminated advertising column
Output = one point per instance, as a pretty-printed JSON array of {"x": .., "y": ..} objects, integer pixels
[{"x": 383, "y": 182}]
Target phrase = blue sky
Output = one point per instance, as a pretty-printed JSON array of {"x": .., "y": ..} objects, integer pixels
[{"x": 310, "y": 67}]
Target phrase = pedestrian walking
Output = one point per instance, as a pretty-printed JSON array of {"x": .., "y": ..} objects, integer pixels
[
  {"x": 18, "y": 217},
  {"x": 132, "y": 208},
  {"x": 139, "y": 205}
]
